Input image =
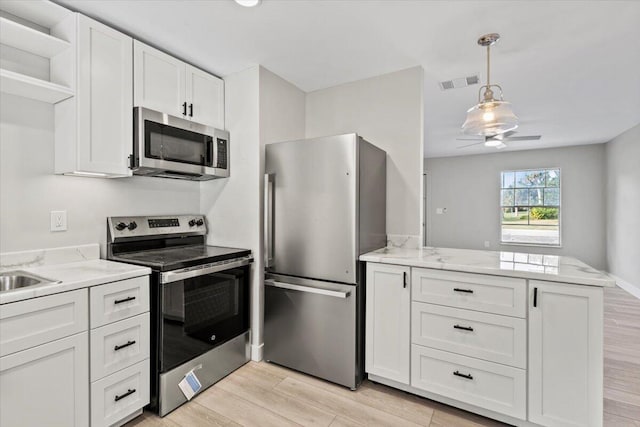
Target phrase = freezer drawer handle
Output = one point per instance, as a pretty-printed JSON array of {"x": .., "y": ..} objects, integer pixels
[
  {"x": 122, "y": 396},
  {"x": 307, "y": 289},
  {"x": 467, "y": 376},
  {"x": 120, "y": 301}
]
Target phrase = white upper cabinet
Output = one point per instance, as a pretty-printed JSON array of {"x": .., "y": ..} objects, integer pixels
[
  {"x": 388, "y": 322},
  {"x": 94, "y": 130},
  {"x": 159, "y": 81},
  {"x": 166, "y": 84},
  {"x": 205, "y": 96},
  {"x": 565, "y": 354}
]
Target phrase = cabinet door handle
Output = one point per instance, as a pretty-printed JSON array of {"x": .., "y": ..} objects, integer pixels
[
  {"x": 184, "y": 108},
  {"x": 467, "y": 376},
  {"x": 466, "y": 291},
  {"x": 535, "y": 297},
  {"x": 120, "y": 301},
  {"x": 190, "y": 110},
  {"x": 464, "y": 328},
  {"x": 120, "y": 347},
  {"x": 404, "y": 279},
  {"x": 130, "y": 391}
]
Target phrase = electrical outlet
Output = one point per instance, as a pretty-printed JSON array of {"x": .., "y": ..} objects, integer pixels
[
  {"x": 487, "y": 244},
  {"x": 58, "y": 220}
]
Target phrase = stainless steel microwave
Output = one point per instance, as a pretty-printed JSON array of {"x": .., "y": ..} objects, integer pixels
[{"x": 170, "y": 147}]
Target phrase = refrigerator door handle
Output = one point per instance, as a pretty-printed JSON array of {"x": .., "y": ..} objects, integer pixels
[
  {"x": 307, "y": 289},
  {"x": 269, "y": 190}
]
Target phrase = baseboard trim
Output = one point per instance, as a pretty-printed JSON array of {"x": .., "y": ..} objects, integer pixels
[
  {"x": 257, "y": 352},
  {"x": 627, "y": 286}
]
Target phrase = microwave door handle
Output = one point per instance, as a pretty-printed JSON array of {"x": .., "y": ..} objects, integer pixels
[{"x": 269, "y": 206}]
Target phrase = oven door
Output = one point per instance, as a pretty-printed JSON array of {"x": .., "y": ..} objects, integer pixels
[{"x": 200, "y": 312}]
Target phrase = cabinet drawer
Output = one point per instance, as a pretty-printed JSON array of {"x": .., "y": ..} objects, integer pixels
[
  {"x": 119, "y": 300},
  {"x": 36, "y": 321},
  {"x": 119, "y": 345},
  {"x": 119, "y": 395},
  {"x": 480, "y": 292},
  {"x": 491, "y": 337},
  {"x": 488, "y": 385}
]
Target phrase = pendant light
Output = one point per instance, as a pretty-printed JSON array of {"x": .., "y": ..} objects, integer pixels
[{"x": 490, "y": 116}]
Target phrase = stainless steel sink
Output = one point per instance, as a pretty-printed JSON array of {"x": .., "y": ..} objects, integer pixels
[{"x": 20, "y": 279}]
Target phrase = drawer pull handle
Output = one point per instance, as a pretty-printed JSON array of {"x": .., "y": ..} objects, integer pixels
[
  {"x": 467, "y": 376},
  {"x": 464, "y": 328},
  {"x": 120, "y": 301},
  {"x": 120, "y": 347},
  {"x": 466, "y": 291},
  {"x": 122, "y": 396}
]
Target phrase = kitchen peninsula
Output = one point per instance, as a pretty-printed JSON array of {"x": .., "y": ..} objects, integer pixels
[{"x": 512, "y": 336}]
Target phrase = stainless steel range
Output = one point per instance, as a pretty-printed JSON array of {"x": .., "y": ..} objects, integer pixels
[{"x": 199, "y": 300}]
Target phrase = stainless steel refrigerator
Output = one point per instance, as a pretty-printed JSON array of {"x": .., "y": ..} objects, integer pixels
[{"x": 325, "y": 204}]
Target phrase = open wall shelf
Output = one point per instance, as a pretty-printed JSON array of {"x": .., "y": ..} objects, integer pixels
[{"x": 30, "y": 87}]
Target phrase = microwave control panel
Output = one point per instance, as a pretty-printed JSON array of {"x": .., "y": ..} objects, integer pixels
[{"x": 221, "y": 151}]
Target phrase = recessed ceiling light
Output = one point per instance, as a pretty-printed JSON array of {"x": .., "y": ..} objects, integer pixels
[{"x": 248, "y": 3}]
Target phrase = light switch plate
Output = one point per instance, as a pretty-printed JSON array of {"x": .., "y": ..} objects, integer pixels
[{"x": 58, "y": 220}]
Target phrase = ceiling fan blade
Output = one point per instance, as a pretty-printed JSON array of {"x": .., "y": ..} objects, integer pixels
[
  {"x": 523, "y": 138},
  {"x": 501, "y": 146},
  {"x": 471, "y": 138},
  {"x": 470, "y": 145},
  {"x": 507, "y": 134}
]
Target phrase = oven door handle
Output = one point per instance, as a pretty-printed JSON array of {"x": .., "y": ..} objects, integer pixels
[
  {"x": 188, "y": 273},
  {"x": 307, "y": 289}
]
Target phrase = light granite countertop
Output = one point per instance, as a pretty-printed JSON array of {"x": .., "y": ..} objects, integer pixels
[
  {"x": 512, "y": 264},
  {"x": 69, "y": 268}
]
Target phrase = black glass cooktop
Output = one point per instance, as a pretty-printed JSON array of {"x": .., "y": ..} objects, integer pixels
[{"x": 176, "y": 257}]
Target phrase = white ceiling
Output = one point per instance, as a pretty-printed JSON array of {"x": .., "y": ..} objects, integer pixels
[{"x": 570, "y": 68}]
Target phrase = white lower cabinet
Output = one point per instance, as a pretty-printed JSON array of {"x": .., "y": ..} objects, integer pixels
[
  {"x": 388, "y": 305},
  {"x": 55, "y": 371},
  {"x": 120, "y": 347},
  {"x": 47, "y": 385},
  {"x": 526, "y": 352},
  {"x": 565, "y": 354},
  {"x": 490, "y": 337},
  {"x": 489, "y": 385},
  {"x": 119, "y": 395}
]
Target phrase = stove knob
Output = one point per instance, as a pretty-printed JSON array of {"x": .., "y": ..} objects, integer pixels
[
  {"x": 121, "y": 226},
  {"x": 199, "y": 222},
  {"x": 132, "y": 225},
  {"x": 192, "y": 223}
]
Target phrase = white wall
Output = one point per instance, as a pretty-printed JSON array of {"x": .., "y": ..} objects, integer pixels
[
  {"x": 469, "y": 187},
  {"x": 387, "y": 111},
  {"x": 232, "y": 205},
  {"x": 260, "y": 108},
  {"x": 623, "y": 206},
  {"x": 29, "y": 190}
]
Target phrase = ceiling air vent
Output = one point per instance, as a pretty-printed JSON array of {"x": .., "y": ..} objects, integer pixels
[{"x": 459, "y": 82}]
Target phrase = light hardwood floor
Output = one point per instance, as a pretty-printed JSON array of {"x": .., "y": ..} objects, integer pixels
[{"x": 263, "y": 394}]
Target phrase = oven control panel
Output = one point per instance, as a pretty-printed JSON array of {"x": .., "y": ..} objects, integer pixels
[{"x": 120, "y": 228}]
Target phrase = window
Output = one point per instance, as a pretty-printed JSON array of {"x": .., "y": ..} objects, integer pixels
[{"x": 530, "y": 205}]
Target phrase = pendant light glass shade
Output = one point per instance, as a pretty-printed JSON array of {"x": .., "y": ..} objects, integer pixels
[
  {"x": 491, "y": 115},
  {"x": 490, "y": 118}
]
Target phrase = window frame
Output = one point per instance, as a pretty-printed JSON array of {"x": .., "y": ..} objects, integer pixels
[{"x": 559, "y": 206}]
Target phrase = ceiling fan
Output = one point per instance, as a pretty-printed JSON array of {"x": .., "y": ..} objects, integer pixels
[{"x": 498, "y": 141}]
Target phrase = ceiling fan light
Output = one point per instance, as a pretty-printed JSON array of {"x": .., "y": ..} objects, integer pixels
[
  {"x": 489, "y": 120},
  {"x": 492, "y": 142}
]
